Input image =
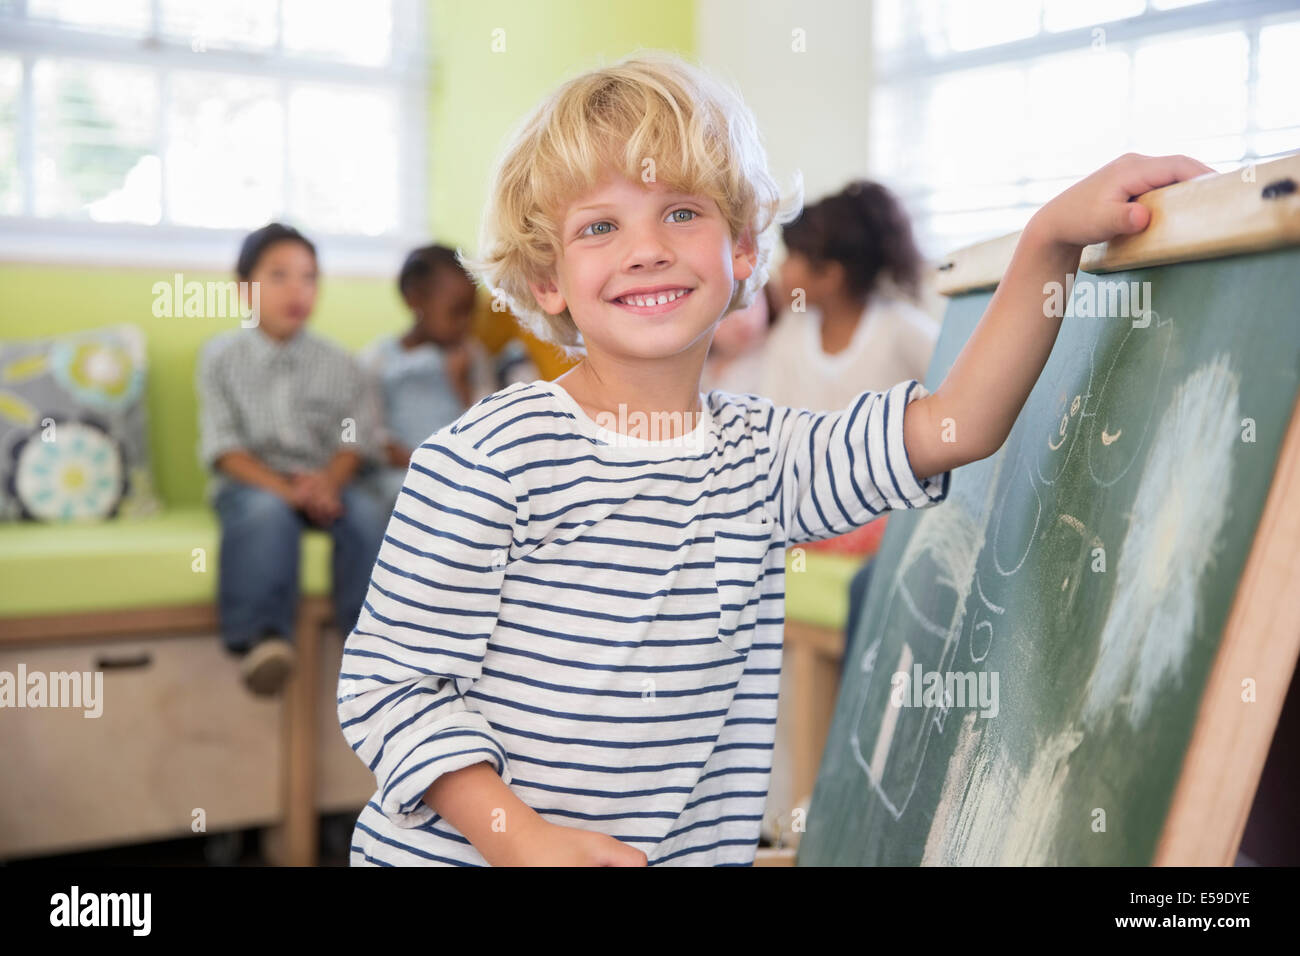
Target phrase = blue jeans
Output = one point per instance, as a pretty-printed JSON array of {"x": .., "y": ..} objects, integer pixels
[{"x": 261, "y": 538}]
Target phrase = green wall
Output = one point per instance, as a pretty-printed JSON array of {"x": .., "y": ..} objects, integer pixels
[{"x": 475, "y": 97}]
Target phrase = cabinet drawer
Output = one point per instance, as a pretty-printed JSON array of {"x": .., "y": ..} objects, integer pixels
[{"x": 178, "y": 731}]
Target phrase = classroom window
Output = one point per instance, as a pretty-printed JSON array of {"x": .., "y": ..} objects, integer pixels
[
  {"x": 148, "y": 126},
  {"x": 985, "y": 109}
]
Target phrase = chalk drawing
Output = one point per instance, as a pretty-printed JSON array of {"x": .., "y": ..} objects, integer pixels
[
  {"x": 1121, "y": 394},
  {"x": 943, "y": 549},
  {"x": 1001, "y": 510},
  {"x": 990, "y": 813},
  {"x": 1178, "y": 512},
  {"x": 1066, "y": 420}
]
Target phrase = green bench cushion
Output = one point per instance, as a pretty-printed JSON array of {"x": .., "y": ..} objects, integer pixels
[
  {"x": 126, "y": 563},
  {"x": 146, "y": 562},
  {"x": 819, "y": 594}
]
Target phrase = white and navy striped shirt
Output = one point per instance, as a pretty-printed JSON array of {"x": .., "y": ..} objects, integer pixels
[{"x": 601, "y": 617}]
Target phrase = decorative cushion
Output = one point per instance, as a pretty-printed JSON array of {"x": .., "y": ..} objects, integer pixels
[{"x": 73, "y": 427}]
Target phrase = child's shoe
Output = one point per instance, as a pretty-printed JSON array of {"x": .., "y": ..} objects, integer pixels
[{"x": 266, "y": 667}]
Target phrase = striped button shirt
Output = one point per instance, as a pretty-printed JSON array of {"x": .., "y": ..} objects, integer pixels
[
  {"x": 600, "y": 617},
  {"x": 293, "y": 405}
]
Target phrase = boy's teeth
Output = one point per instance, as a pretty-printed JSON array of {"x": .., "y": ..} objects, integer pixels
[{"x": 660, "y": 299}]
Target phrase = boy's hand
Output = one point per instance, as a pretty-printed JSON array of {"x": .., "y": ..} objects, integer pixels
[
  {"x": 398, "y": 456},
  {"x": 316, "y": 496},
  {"x": 1097, "y": 208},
  {"x": 549, "y": 844}
]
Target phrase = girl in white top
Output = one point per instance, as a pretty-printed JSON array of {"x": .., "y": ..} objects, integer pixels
[{"x": 852, "y": 276}]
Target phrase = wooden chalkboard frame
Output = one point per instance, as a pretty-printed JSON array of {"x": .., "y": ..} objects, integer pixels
[{"x": 1253, "y": 209}]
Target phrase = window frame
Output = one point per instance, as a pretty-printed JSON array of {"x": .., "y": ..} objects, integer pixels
[
  {"x": 26, "y": 237},
  {"x": 913, "y": 69}
]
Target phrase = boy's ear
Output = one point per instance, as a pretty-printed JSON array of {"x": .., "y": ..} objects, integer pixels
[
  {"x": 548, "y": 295},
  {"x": 744, "y": 256}
]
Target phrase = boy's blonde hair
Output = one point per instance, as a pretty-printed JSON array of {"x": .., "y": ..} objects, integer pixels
[{"x": 654, "y": 118}]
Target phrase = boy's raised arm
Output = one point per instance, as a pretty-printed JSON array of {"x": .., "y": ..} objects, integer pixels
[{"x": 971, "y": 413}]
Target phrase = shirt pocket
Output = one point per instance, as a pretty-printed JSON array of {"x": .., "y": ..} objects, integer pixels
[{"x": 740, "y": 549}]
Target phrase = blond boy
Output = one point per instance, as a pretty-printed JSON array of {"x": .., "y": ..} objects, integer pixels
[{"x": 570, "y": 649}]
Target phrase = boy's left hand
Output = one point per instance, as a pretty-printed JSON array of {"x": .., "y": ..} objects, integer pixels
[{"x": 1097, "y": 208}]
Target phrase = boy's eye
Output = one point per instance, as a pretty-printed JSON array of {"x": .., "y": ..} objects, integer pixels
[{"x": 605, "y": 222}]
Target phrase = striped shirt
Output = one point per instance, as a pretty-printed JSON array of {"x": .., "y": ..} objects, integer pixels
[
  {"x": 293, "y": 405},
  {"x": 601, "y": 617}
]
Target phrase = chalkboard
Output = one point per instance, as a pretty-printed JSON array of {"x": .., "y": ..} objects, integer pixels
[{"x": 1089, "y": 567}]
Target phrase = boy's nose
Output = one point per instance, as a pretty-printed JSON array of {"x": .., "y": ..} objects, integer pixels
[{"x": 649, "y": 249}]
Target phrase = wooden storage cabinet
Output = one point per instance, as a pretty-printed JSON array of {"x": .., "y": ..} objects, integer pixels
[{"x": 178, "y": 732}]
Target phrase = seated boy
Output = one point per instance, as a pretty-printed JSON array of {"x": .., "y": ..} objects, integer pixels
[
  {"x": 285, "y": 420},
  {"x": 571, "y": 645}
]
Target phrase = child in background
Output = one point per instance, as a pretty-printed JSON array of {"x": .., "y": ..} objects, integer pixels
[
  {"x": 429, "y": 375},
  {"x": 570, "y": 649},
  {"x": 735, "y": 360},
  {"x": 853, "y": 259},
  {"x": 285, "y": 421}
]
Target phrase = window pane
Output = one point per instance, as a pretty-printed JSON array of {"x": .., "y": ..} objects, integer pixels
[
  {"x": 113, "y": 16},
  {"x": 971, "y": 24},
  {"x": 11, "y": 81},
  {"x": 96, "y": 128},
  {"x": 1071, "y": 14},
  {"x": 888, "y": 25},
  {"x": 1073, "y": 140},
  {"x": 225, "y": 157},
  {"x": 343, "y": 147},
  {"x": 233, "y": 23},
  {"x": 975, "y": 127},
  {"x": 340, "y": 29},
  {"x": 1190, "y": 95},
  {"x": 1277, "y": 102}
]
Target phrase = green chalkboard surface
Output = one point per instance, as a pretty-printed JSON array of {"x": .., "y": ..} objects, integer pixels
[{"x": 1058, "y": 615}]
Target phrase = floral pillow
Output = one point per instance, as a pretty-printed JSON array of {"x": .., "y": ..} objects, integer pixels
[{"x": 73, "y": 427}]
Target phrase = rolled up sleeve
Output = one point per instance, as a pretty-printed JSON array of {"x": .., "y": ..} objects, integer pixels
[
  {"x": 832, "y": 472},
  {"x": 420, "y": 640}
]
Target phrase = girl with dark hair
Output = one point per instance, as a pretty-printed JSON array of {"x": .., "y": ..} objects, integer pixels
[{"x": 852, "y": 281}]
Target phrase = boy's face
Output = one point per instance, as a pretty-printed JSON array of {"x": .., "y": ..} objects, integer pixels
[
  {"x": 286, "y": 277},
  {"x": 624, "y": 236},
  {"x": 444, "y": 303}
]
